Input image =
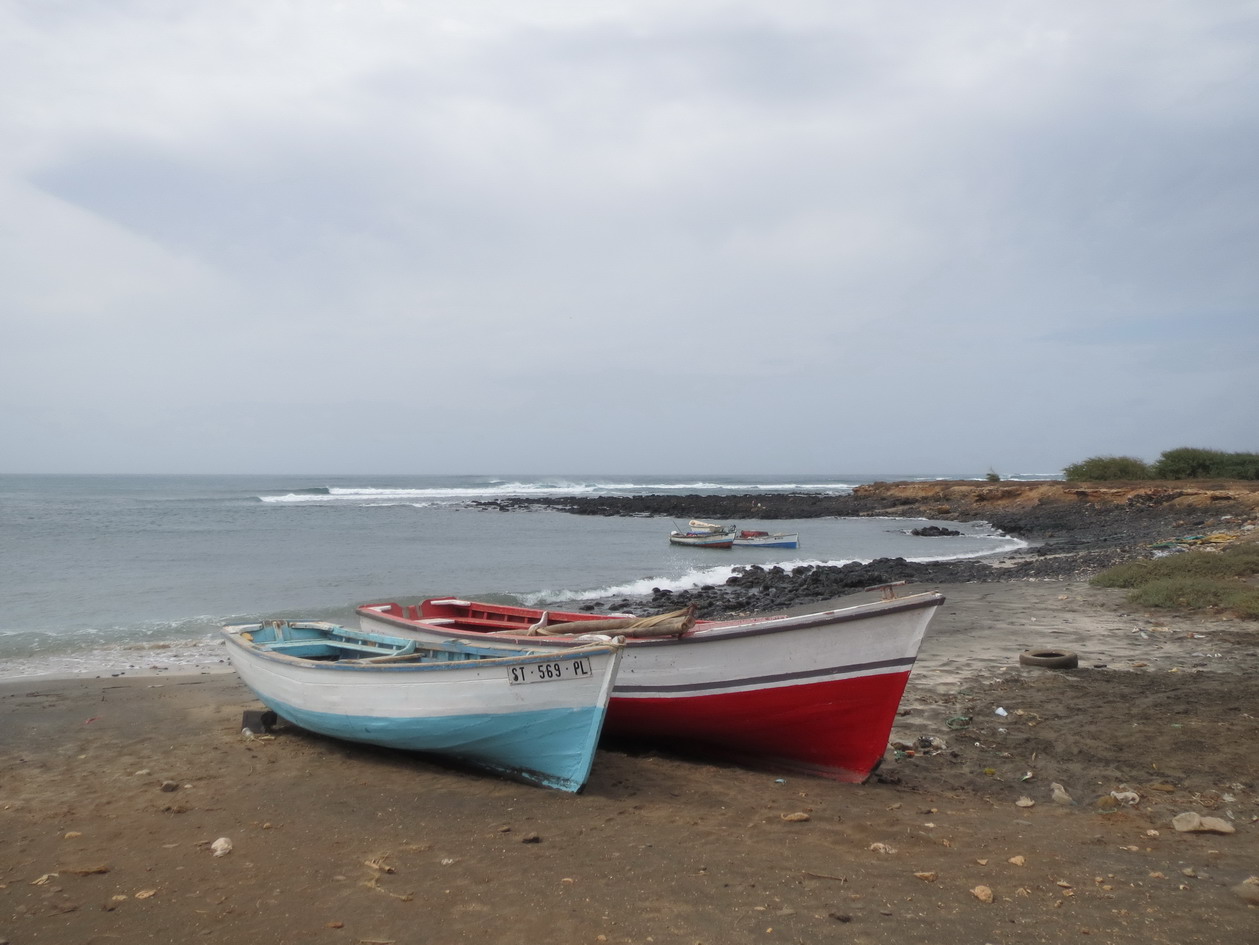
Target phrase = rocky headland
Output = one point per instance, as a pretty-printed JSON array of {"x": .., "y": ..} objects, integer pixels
[{"x": 1073, "y": 529}]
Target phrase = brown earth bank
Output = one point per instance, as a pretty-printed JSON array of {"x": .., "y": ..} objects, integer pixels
[
  {"x": 113, "y": 791},
  {"x": 1074, "y": 530}
]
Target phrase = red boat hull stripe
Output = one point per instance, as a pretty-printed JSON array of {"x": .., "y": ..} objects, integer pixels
[{"x": 837, "y": 729}]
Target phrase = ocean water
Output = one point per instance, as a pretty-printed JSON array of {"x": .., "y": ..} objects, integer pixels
[{"x": 115, "y": 574}]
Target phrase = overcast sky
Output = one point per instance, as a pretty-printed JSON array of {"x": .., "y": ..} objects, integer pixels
[{"x": 682, "y": 236}]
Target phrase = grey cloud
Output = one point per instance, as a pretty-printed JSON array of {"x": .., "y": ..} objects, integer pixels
[{"x": 609, "y": 224}]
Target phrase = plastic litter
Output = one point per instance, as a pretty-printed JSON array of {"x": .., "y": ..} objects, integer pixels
[{"x": 931, "y": 743}]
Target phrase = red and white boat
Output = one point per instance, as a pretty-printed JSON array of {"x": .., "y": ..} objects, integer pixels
[{"x": 812, "y": 693}]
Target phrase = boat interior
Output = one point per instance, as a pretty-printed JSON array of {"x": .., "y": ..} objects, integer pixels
[
  {"x": 330, "y": 644},
  {"x": 467, "y": 615}
]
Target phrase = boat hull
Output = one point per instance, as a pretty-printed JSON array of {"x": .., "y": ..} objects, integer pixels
[
  {"x": 703, "y": 535},
  {"x": 542, "y": 732},
  {"x": 752, "y": 538},
  {"x": 702, "y": 541},
  {"x": 788, "y": 542},
  {"x": 813, "y": 693},
  {"x": 836, "y": 729}
]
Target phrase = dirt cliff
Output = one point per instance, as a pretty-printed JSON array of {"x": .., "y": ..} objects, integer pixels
[
  {"x": 979, "y": 499},
  {"x": 948, "y": 496}
]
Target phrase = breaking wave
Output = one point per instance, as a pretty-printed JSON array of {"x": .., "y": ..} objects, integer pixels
[
  {"x": 543, "y": 487},
  {"x": 690, "y": 580}
]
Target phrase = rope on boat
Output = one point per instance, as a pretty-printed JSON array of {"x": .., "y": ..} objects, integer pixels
[{"x": 673, "y": 623}]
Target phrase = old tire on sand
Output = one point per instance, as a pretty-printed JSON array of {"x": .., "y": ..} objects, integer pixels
[{"x": 1049, "y": 659}]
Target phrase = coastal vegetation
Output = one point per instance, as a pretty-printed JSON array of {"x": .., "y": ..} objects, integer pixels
[
  {"x": 1182, "y": 463},
  {"x": 1222, "y": 581},
  {"x": 1108, "y": 468}
]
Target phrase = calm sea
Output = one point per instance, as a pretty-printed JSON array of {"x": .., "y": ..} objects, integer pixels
[{"x": 110, "y": 574}]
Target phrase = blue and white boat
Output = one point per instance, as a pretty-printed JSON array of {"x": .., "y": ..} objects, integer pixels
[
  {"x": 530, "y": 713},
  {"x": 750, "y": 538}
]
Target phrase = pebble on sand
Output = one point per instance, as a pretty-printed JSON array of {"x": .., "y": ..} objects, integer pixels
[
  {"x": 1192, "y": 822},
  {"x": 1058, "y": 794},
  {"x": 982, "y": 893},
  {"x": 1248, "y": 890}
]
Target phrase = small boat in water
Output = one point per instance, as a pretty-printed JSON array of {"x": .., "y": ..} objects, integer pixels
[
  {"x": 748, "y": 538},
  {"x": 699, "y": 534},
  {"x": 814, "y": 693},
  {"x": 532, "y": 713}
]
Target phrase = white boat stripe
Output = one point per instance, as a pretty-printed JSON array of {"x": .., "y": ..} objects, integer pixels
[{"x": 754, "y": 682}]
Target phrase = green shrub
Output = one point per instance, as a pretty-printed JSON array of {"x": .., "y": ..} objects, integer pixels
[
  {"x": 1182, "y": 463},
  {"x": 1242, "y": 466},
  {"x": 1239, "y": 560},
  {"x": 1129, "y": 574},
  {"x": 1246, "y": 604},
  {"x": 1104, "y": 468},
  {"x": 1194, "y": 580},
  {"x": 1185, "y": 592},
  {"x": 1191, "y": 463},
  {"x": 1243, "y": 556}
]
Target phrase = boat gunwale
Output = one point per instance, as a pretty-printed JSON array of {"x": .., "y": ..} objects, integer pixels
[
  {"x": 723, "y": 629},
  {"x": 231, "y": 633}
]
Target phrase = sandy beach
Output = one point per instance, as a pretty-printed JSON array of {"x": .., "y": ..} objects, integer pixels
[{"x": 114, "y": 789}]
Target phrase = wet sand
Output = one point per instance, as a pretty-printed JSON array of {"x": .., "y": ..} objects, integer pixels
[{"x": 112, "y": 791}]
